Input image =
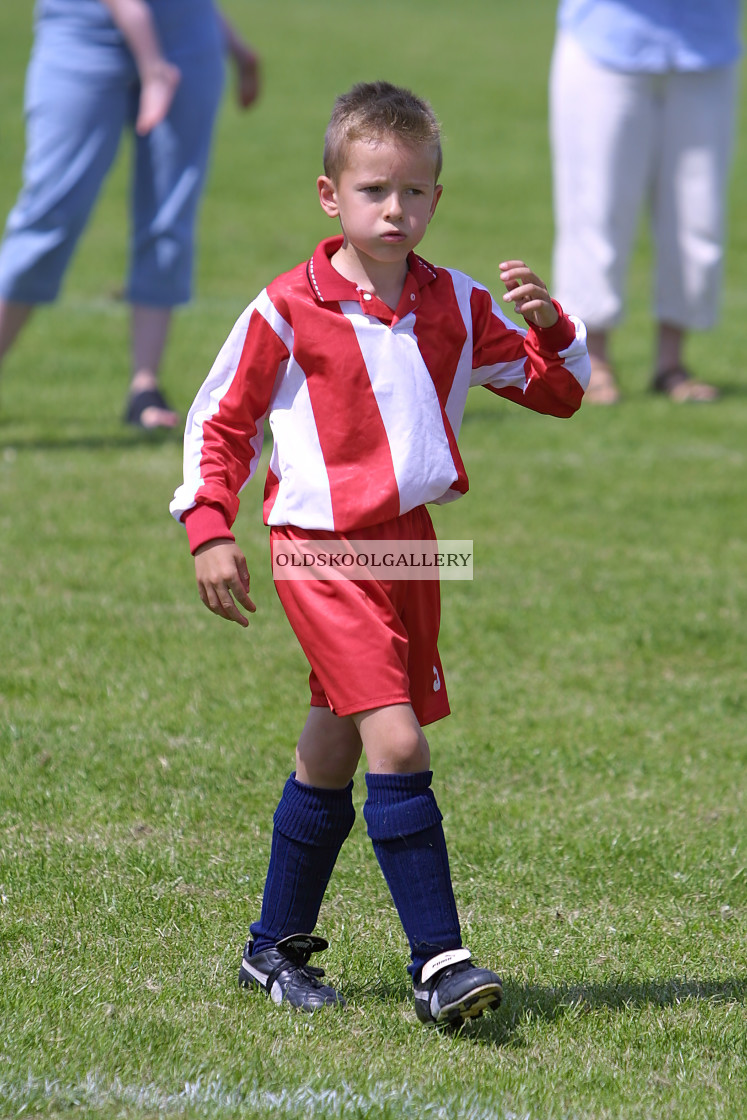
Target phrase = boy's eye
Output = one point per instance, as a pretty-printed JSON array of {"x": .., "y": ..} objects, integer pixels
[{"x": 376, "y": 189}]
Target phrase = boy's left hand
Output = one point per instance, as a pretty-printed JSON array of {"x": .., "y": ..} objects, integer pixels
[{"x": 528, "y": 294}]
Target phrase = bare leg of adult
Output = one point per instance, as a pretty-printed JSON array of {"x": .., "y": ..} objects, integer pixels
[
  {"x": 672, "y": 377},
  {"x": 669, "y": 344},
  {"x": 13, "y": 317},
  {"x": 603, "y": 388},
  {"x": 147, "y": 407}
]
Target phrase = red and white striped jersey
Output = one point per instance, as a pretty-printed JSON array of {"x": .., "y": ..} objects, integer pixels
[{"x": 364, "y": 404}]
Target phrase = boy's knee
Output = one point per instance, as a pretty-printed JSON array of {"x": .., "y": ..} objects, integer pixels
[
  {"x": 405, "y": 752},
  {"x": 332, "y": 770},
  {"x": 394, "y": 741},
  {"x": 328, "y": 751}
]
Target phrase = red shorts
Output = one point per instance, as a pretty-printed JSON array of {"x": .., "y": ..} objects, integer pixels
[{"x": 370, "y": 643}]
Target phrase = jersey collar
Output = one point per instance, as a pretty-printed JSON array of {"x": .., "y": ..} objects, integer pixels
[{"x": 330, "y": 287}]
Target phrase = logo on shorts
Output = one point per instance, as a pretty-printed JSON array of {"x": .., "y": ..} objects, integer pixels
[{"x": 436, "y": 679}]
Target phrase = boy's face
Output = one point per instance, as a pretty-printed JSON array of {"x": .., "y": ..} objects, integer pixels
[{"x": 384, "y": 197}]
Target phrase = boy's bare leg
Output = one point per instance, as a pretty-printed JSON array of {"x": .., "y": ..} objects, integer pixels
[
  {"x": 328, "y": 750},
  {"x": 393, "y": 740},
  {"x": 329, "y": 747},
  {"x": 312, "y": 820},
  {"x": 13, "y": 318},
  {"x": 404, "y": 824}
]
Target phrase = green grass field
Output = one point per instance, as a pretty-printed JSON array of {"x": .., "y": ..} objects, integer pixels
[{"x": 592, "y": 775}]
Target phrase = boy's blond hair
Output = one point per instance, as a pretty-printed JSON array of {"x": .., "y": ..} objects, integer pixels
[{"x": 379, "y": 111}]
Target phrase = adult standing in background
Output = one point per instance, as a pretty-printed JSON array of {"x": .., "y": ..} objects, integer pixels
[
  {"x": 82, "y": 90},
  {"x": 642, "y": 107}
]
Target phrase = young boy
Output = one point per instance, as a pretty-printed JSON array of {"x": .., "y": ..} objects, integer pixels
[{"x": 361, "y": 359}]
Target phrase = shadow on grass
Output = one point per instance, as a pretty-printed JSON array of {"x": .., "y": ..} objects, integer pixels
[
  {"x": 83, "y": 434},
  {"x": 82, "y": 441},
  {"x": 532, "y": 1003},
  {"x": 523, "y": 1005}
]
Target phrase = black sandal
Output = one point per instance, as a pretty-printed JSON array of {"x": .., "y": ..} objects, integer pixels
[
  {"x": 140, "y": 402},
  {"x": 679, "y": 385}
]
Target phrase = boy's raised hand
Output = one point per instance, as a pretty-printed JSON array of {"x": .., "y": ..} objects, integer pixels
[
  {"x": 528, "y": 294},
  {"x": 222, "y": 576}
]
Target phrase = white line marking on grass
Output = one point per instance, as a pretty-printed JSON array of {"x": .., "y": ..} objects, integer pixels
[{"x": 211, "y": 1097}]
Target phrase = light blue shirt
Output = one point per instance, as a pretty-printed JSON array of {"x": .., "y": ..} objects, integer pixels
[{"x": 655, "y": 35}]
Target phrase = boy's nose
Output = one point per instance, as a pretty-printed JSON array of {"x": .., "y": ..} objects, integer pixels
[{"x": 394, "y": 206}]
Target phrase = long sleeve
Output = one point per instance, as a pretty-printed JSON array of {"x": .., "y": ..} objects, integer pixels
[
  {"x": 225, "y": 426},
  {"x": 546, "y": 370}
]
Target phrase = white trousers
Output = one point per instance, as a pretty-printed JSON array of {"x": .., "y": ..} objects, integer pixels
[{"x": 620, "y": 140}]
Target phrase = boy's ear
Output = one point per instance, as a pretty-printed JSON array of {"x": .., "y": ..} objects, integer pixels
[{"x": 328, "y": 196}]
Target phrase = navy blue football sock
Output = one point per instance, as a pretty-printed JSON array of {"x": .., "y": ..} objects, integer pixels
[
  {"x": 404, "y": 823},
  {"x": 310, "y": 826}
]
